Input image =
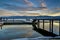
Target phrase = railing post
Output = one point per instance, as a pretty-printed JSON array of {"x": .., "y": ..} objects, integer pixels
[
  {"x": 43, "y": 24},
  {"x": 59, "y": 27},
  {"x": 52, "y": 25},
  {"x": 33, "y": 24},
  {"x": 38, "y": 24}
]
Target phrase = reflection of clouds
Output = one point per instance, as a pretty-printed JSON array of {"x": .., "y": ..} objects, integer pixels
[
  {"x": 28, "y": 34},
  {"x": 55, "y": 27},
  {"x": 18, "y": 31}
]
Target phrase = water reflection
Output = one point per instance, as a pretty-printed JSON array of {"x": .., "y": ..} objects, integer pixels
[
  {"x": 23, "y": 31},
  {"x": 18, "y": 31}
]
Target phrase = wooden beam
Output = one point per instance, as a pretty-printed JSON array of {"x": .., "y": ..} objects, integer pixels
[
  {"x": 33, "y": 24},
  {"x": 59, "y": 27},
  {"x": 43, "y": 24},
  {"x": 38, "y": 23},
  {"x": 52, "y": 26}
]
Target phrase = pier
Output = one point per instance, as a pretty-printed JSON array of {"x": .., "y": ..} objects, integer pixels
[{"x": 36, "y": 21}]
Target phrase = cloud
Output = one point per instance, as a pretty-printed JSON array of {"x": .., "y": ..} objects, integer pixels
[
  {"x": 17, "y": 13},
  {"x": 43, "y": 4},
  {"x": 56, "y": 9},
  {"x": 4, "y": 12},
  {"x": 12, "y": 6},
  {"x": 30, "y": 4}
]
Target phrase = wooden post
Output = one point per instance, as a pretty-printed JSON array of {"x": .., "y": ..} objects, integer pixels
[
  {"x": 38, "y": 24},
  {"x": 52, "y": 26},
  {"x": 43, "y": 24},
  {"x": 33, "y": 24},
  {"x": 59, "y": 27}
]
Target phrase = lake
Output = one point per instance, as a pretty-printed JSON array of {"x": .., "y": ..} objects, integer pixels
[{"x": 10, "y": 32}]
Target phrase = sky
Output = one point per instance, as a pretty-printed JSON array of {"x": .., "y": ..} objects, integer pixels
[
  {"x": 29, "y": 5},
  {"x": 22, "y": 4}
]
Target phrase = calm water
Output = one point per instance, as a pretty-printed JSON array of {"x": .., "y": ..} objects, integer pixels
[
  {"x": 23, "y": 31},
  {"x": 18, "y": 31}
]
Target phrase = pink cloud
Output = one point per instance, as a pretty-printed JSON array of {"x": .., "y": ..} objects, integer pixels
[{"x": 30, "y": 4}]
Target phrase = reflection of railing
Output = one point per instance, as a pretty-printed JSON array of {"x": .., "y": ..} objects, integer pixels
[
  {"x": 51, "y": 25},
  {"x": 42, "y": 30},
  {"x": 51, "y": 22}
]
